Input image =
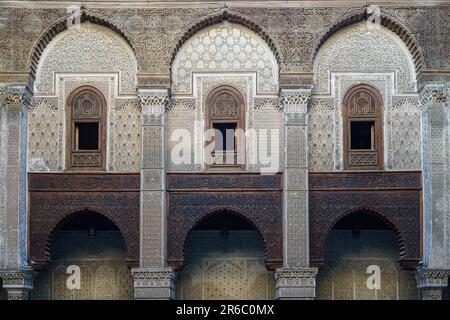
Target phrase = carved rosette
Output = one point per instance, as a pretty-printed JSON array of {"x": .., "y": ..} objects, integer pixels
[
  {"x": 154, "y": 283},
  {"x": 295, "y": 283}
]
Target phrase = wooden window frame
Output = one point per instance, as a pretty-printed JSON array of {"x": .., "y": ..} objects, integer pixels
[
  {"x": 377, "y": 117},
  {"x": 239, "y": 121},
  {"x": 102, "y": 127}
]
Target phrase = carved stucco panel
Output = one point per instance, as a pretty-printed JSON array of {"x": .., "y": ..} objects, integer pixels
[
  {"x": 447, "y": 138},
  {"x": 125, "y": 127},
  {"x": 44, "y": 124},
  {"x": 181, "y": 117},
  {"x": 435, "y": 134},
  {"x": 404, "y": 140},
  {"x": 364, "y": 50},
  {"x": 402, "y": 124},
  {"x": 331, "y": 134},
  {"x": 296, "y": 252},
  {"x": 268, "y": 123},
  {"x": 225, "y": 47},
  {"x": 152, "y": 226},
  {"x": 321, "y": 135},
  {"x": 189, "y": 113},
  {"x": 47, "y": 125},
  {"x": 296, "y": 31},
  {"x": 89, "y": 48}
]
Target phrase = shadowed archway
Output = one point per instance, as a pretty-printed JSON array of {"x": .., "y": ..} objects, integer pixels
[
  {"x": 87, "y": 246},
  {"x": 363, "y": 243},
  {"x": 224, "y": 259}
]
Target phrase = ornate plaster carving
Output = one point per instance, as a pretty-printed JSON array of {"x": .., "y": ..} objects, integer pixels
[
  {"x": 321, "y": 135},
  {"x": 89, "y": 48},
  {"x": 362, "y": 49},
  {"x": 225, "y": 47}
]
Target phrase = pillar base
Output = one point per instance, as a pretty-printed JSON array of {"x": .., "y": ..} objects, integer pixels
[
  {"x": 18, "y": 283},
  {"x": 154, "y": 283},
  {"x": 295, "y": 283},
  {"x": 431, "y": 282}
]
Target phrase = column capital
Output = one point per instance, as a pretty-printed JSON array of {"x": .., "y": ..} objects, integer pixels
[
  {"x": 436, "y": 278},
  {"x": 154, "y": 100},
  {"x": 434, "y": 91},
  {"x": 17, "y": 283},
  {"x": 295, "y": 283},
  {"x": 431, "y": 282},
  {"x": 154, "y": 283},
  {"x": 295, "y": 100},
  {"x": 15, "y": 97}
]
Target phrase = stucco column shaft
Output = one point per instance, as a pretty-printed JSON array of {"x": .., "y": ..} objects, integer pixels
[
  {"x": 436, "y": 190},
  {"x": 153, "y": 280},
  {"x": 13, "y": 196},
  {"x": 295, "y": 280}
]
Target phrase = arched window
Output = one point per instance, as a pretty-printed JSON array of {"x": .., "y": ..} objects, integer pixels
[
  {"x": 225, "y": 116},
  {"x": 363, "y": 129},
  {"x": 86, "y": 114}
]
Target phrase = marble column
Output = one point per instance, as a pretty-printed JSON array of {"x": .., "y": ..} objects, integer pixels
[
  {"x": 433, "y": 273},
  {"x": 296, "y": 280},
  {"x": 14, "y": 269},
  {"x": 153, "y": 279}
]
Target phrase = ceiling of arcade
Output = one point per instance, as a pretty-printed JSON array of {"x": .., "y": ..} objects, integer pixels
[{"x": 155, "y": 33}]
